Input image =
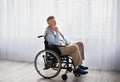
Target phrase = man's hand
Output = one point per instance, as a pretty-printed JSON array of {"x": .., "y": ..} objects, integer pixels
[{"x": 56, "y": 28}]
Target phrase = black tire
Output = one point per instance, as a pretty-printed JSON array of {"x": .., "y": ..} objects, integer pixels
[
  {"x": 58, "y": 61},
  {"x": 64, "y": 77}
]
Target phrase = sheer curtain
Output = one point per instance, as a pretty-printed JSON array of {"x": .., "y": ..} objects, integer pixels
[
  {"x": 94, "y": 23},
  {"x": 91, "y": 21}
]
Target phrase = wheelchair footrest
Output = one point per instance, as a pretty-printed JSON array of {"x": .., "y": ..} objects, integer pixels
[{"x": 76, "y": 74}]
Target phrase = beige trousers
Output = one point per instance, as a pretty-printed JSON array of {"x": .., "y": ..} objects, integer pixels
[{"x": 76, "y": 51}]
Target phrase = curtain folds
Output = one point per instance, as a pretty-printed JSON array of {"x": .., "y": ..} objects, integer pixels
[{"x": 91, "y": 21}]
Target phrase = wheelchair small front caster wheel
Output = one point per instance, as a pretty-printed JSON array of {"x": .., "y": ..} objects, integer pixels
[
  {"x": 64, "y": 77},
  {"x": 77, "y": 75}
]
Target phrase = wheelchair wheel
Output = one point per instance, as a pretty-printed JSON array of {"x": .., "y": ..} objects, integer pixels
[
  {"x": 47, "y": 63},
  {"x": 64, "y": 77}
]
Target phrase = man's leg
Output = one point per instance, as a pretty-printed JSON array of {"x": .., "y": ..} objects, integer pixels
[
  {"x": 73, "y": 51},
  {"x": 81, "y": 48}
]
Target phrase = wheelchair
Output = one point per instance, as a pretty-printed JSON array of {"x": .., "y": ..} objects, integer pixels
[{"x": 49, "y": 62}]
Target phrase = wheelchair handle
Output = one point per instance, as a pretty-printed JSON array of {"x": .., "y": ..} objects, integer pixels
[{"x": 40, "y": 36}]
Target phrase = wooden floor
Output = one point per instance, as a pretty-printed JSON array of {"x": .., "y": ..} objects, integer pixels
[{"x": 11, "y": 71}]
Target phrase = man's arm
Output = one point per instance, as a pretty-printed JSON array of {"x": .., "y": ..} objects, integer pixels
[{"x": 53, "y": 39}]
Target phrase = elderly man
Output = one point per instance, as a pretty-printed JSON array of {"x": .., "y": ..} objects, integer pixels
[{"x": 75, "y": 50}]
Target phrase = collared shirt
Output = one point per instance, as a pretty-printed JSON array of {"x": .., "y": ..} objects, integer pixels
[{"x": 55, "y": 38}]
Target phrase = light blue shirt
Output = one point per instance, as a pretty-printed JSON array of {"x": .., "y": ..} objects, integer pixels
[{"x": 54, "y": 38}]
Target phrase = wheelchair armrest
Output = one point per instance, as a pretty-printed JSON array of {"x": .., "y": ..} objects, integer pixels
[
  {"x": 40, "y": 36},
  {"x": 55, "y": 48},
  {"x": 57, "y": 45}
]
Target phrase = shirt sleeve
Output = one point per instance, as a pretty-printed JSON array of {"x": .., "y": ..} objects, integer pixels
[{"x": 53, "y": 39}]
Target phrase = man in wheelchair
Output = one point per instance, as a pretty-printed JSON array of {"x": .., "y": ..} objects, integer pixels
[{"x": 75, "y": 50}]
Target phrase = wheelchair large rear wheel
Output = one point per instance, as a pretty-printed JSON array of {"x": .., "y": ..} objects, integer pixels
[{"x": 47, "y": 63}]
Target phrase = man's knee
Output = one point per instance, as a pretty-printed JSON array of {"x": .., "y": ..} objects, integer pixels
[
  {"x": 75, "y": 47},
  {"x": 80, "y": 43}
]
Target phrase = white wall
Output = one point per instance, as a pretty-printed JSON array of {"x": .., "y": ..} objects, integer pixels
[{"x": 94, "y": 22}]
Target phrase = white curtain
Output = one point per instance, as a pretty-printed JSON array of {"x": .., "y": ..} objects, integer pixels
[{"x": 91, "y": 21}]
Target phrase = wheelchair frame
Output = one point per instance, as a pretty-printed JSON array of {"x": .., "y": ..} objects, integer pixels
[{"x": 66, "y": 60}]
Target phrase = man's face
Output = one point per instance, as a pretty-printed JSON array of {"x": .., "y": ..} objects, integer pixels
[{"x": 52, "y": 22}]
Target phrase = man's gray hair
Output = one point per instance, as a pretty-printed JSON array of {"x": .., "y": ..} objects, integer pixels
[{"x": 50, "y": 17}]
